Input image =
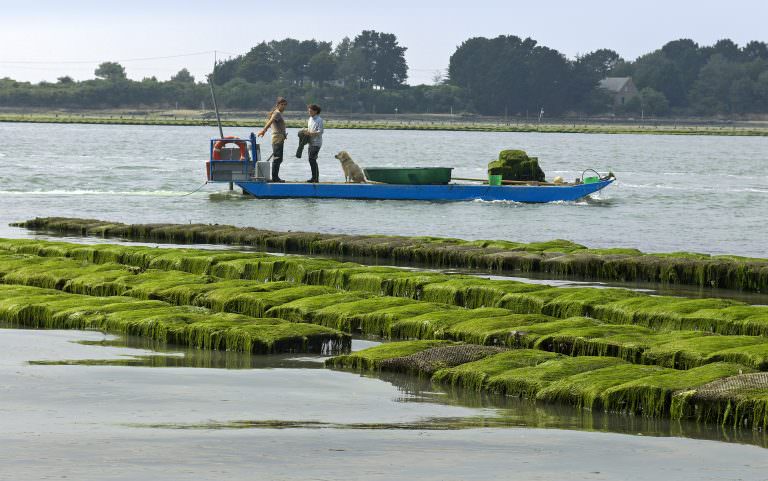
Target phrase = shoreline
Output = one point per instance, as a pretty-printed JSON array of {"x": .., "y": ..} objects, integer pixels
[{"x": 415, "y": 123}]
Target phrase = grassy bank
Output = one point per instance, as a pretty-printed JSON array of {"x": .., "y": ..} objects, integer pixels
[
  {"x": 460, "y": 125},
  {"x": 559, "y": 258}
]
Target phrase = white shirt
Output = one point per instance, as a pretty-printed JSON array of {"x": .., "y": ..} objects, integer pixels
[{"x": 315, "y": 124}]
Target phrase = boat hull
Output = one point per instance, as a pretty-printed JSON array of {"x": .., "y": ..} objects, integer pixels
[{"x": 437, "y": 193}]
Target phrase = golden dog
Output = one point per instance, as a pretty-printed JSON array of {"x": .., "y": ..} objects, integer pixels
[{"x": 352, "y": 172}]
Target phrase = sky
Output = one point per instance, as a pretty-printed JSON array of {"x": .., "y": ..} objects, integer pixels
[{"x": 45, "y": 39}]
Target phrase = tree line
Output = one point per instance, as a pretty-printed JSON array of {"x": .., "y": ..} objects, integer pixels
[{"x": 506, "y": 75}]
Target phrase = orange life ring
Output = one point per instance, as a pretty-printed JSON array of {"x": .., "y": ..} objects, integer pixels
[{"x": 221, "y": 143}]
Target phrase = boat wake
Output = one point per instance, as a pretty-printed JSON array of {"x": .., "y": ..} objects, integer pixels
[
  {"x": 699, "y": 188},
  {"x": 227, "y": 195}
]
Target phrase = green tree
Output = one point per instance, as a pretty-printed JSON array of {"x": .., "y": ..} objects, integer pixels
[
  {"x": 725, "y": 47},
  {"x": 586, "y": 73},
  {"x": 390, "y": 69},
  {"x": 65, "y": 80},
  {"x": 183, "y": 76},
  {"x": 741, "y": 95},
  {"x": 509, "y": 75},
  {"x": 687, "y": 57},
  {"x": 711, "y": 92},
  {"x": 224, "y": 71},
  {"x": 322, "y": 67},
  {"x": 656, "y": 71},
  {"x": 761, "y": 91},
  {"x": 755, "y": 50},
  {"x": 653, "y": 102},
  {"x": 292, "y": 57},
  {"x": 384, "y": 59},
  {"x": 111, "y": 71},
  {"x": 600, "y": 63},
  {"x": 258, "y": 65},
  {"x": 352, "y": 67}
]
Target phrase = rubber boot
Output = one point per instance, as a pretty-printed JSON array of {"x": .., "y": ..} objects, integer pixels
[
  {"x": 315, "y": 173},
  {"x": 275, "y": 172}
]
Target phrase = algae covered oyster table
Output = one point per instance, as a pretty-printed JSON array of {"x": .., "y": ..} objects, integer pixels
[
  {"x": 559, "y": 258},
  {"x": 636, "y": 353}
]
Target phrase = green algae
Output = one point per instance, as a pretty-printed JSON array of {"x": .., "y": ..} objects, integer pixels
[
  {"x": 149, "y": 284},
  {"x": 261, "y": 336},
  {"x": 51, "y": 273},
  {"x": 215, "y": 296},
  {"x": 739, "y": 401},
  {"x": 426, "y": 363},
  {"x": 615, "y": 340},
  {"x": 652, "y": 395},
  {"x": 585, "y": 390},
  {"x": 434, "y": 324},
  {"x": 613, "y": 305},
  {"x": 402, "y": 317},
  {"x": 475, "y": 375},
  {"x": 186, "y": 325},
  {"x": 528, "y": 381},
  {"x": 571, "y": 302},
  {"x": 473, "y": 292},
  {"x": 255, "y": 299},
  {"x": 369, "y": 359},
  {"x": 559, "y": 257},
  {"x": 736, "y": 319},
  {"x": 192, "y": 261},
  {"x": 662, "y": 312},
  {"x": 379, "y": 322},
  {"x": 696, "y": 351},
  {"x": 346, "y": 316},
  {"x": 197, "y": 294},
  {"x": 383, "y": 281},
  {"x": 258, "y": 303},
  {"x": 299, "y": 310},
  {"x": 503, "y": 330},
  {"x": 754, "y": 356}
]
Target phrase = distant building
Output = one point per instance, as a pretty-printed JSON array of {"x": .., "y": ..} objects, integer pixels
[{"x": 622, "y": 89}]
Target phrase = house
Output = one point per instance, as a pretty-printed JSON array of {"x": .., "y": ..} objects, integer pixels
[{"x": 622, "y": 89}]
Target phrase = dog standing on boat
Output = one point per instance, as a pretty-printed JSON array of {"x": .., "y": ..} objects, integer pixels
[{"x": 352, "y": 172}]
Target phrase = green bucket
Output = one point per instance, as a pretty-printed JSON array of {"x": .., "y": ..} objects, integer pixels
[
  {"x": 591, "y": 180},
  {"x": 494, "y": 180}
]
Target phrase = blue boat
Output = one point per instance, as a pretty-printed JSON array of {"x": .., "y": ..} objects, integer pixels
[{"x": 238, "y": 167}]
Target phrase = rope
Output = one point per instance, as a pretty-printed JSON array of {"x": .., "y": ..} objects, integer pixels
[{"x": 190, "y": 193}]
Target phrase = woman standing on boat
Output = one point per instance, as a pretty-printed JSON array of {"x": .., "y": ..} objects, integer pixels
[
  {"x": 315, "y": 129},
  {"x": 277, "y": 122}
]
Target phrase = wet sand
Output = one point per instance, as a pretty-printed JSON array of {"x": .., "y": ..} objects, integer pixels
[{"x": 285, "y": 423}]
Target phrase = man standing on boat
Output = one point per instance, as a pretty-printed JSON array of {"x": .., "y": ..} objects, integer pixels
[
  {"x": 277, "y": 122},
  {"x": 315, "y": 129}
]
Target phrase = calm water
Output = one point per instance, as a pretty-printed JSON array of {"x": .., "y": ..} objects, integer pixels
[{"x": 705, "y": 194}]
